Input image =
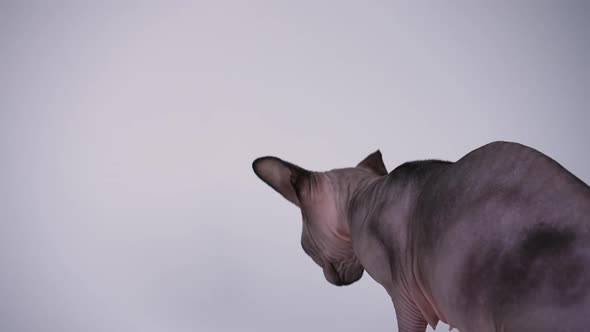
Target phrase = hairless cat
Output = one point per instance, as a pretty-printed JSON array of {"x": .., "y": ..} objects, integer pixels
[{"x": 497, "y": 241}]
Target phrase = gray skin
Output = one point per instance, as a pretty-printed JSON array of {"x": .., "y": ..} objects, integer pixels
[{"x": 497, "y": 241}]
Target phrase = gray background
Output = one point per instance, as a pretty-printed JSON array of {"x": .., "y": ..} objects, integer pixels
[{"x": 127, "y": 132}]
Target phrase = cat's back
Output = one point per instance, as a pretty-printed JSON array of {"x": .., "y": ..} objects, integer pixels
[{"x": 505, "y": 182}]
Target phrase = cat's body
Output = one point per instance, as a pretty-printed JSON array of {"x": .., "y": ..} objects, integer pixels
[{"x": 497, "y": 241}]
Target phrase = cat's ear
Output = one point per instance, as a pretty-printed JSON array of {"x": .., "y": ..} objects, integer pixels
[
  {"x": 374, "y": 162},
  {"x": 282, "y": 176}
]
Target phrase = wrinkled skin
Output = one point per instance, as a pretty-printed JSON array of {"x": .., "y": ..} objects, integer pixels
[{"x": 497, "y": 241}]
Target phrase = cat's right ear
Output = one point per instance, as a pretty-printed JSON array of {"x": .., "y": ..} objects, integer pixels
[
  {"x": 374, "y": 162},
  {"x": 280, "y": 175}
]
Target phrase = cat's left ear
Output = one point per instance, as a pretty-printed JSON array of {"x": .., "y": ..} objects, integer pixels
[
  {"x": 374, "y": 162},
  {"x": 282, "y": 176}
]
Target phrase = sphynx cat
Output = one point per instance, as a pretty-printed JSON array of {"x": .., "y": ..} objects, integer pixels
[{"x": 497, "y": 241}]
